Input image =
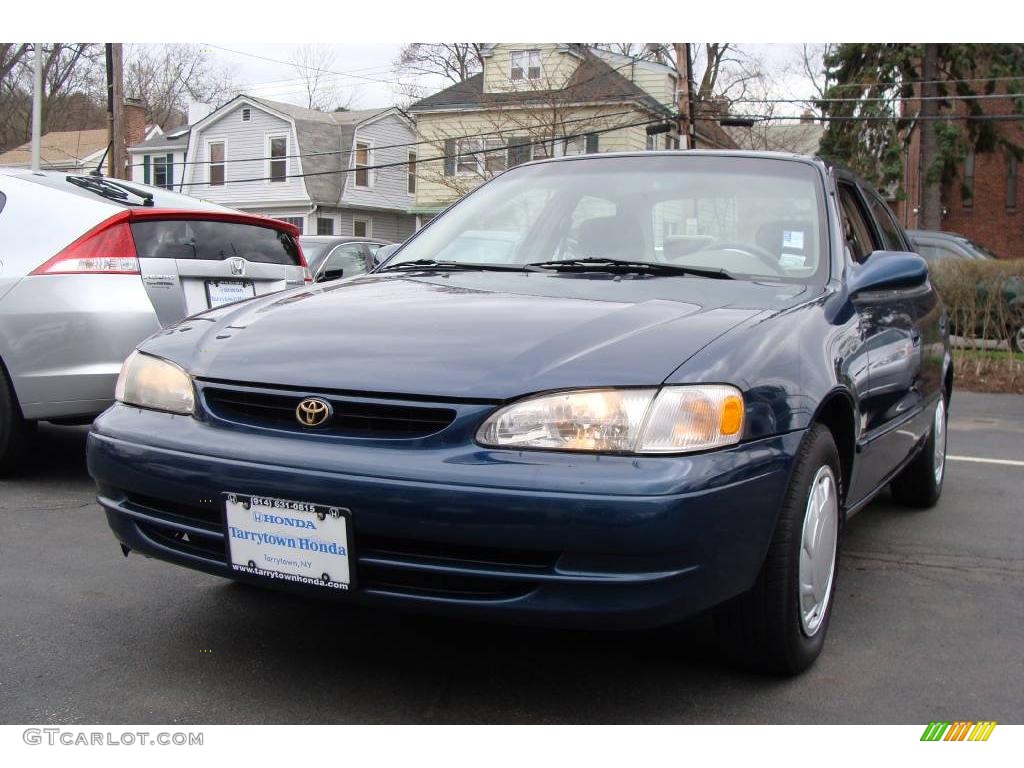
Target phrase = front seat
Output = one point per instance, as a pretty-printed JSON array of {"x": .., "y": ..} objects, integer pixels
[{"x": 610, "y": 237}]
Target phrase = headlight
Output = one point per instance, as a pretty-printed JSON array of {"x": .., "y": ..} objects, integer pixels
[
  {"x": 150, "y": 382},
  {"x": 672, "y": 420}
]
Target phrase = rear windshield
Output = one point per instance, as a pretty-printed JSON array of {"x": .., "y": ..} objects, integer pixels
[{"x": 214, "y": 241}]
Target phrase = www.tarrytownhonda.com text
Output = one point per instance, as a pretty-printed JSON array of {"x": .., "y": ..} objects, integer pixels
[{"x": 75, "y": 738}]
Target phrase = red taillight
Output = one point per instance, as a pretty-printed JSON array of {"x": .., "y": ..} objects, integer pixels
[{"x": 106, "y": 249}]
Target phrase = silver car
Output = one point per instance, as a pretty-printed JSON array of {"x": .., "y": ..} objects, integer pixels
[{"x": 89, "y": 267}]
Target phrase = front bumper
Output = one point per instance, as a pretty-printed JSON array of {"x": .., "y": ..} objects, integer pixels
[{"x": 542, "y": 537}]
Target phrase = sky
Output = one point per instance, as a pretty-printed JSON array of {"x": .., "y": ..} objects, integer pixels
[{"x": 367, "y": 78}]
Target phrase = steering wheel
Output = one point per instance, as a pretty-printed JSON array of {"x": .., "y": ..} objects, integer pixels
[{"x": 761, "y": 254}]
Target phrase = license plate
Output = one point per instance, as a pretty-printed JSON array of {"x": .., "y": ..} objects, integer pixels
[
  {"x": 221, "y": 292},
  {"x": 285, "y": 540}
]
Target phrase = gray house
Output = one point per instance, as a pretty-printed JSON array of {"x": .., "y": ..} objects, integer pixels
[{"x": 313, "y": 169}]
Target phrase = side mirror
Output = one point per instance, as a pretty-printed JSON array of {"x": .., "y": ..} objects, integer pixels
[
  {"x": 887, "y": 271},
  {"x": 330, "y": 274},
  {"x": 383, "y": 254}
]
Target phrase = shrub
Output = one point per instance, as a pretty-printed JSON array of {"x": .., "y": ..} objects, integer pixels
[{"x": 985, "y": 299}]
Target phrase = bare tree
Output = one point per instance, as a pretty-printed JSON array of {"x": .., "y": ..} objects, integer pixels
[
  {"x": 167, "y": 77},
  {"x": 453, "y": 61},
  {"x": 72, "y": 97},
  {"x": 420, "y": 67},
  {"x": 314, "y": 62}
]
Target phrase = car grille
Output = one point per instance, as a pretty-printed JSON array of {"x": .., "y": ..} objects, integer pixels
[
  {"x": 383, "y": 564},
  {"x": 352, "y": 418}
]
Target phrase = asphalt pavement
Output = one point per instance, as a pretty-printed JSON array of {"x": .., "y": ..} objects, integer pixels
[{"x": 928, "y": 624}]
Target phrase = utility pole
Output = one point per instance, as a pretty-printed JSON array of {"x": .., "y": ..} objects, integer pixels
[
  {"x": 115, "y": 110},
  {"x": 37, "y": 104},
  {"x": 684, "y": 71},
  {"x": 930, "y": 216}
]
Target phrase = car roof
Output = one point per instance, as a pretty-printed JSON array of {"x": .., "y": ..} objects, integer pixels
[
  {"x": 739, "y": 153},
  {"x": 58, "y": 180},
  {"x": 937, "y": 234},
  {"x": 341, "y": 239}
]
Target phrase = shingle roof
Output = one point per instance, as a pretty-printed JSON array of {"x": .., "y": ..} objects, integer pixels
[
  {"x": 323, "y": 132},
  {"x": 59, "y": 148},
  {"x": 168, "y": 140},
  {"x": 592, "y": 81}
]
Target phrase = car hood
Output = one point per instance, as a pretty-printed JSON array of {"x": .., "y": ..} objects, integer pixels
[{"x": 488, "y": 335}]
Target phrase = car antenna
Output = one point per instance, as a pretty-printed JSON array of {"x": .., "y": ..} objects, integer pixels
[{"x": 98, "y": 171}]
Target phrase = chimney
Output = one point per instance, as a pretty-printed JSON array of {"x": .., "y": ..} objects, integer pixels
[
  {"x": 197, "y": 110},
  {"x": 134, "y": 128}
]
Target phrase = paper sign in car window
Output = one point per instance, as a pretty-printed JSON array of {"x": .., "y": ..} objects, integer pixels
[
  {"x": 793, "y": 239},
  {"x": 792, "y": 260}
]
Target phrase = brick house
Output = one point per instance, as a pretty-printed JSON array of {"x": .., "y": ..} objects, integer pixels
[{"x": 983, "y": 202}]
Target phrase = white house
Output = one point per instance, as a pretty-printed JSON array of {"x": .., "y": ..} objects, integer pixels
[{"x": 313, "y": 169}]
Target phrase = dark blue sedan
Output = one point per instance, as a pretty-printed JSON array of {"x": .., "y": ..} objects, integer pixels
[{"x": 605, "y": 391}]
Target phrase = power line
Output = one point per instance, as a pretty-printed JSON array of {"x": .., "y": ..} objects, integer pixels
[
  {"x": 497, "y": 132},
  {"x": 880, "y": 118},
  {"x": 405, "y": 163}
]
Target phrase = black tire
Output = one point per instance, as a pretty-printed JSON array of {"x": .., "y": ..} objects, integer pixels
[
  {"x": 15, "y": 432},
  {"x": 763, "y": 629},
  {"x": 1016, "y": 338},
  {"x": 920, "y": 483}
]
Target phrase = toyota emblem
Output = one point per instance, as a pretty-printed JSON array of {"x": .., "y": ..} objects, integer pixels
[{"x": 313, "y": 412}]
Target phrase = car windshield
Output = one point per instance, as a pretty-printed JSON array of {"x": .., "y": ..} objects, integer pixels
[{"x": 754, "y": 218}]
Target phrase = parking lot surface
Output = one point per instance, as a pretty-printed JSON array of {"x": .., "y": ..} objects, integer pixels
[{"x": 928, "y": 624}]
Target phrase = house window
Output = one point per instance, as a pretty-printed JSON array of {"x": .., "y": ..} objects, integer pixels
[
  {"x": 652, "y": 143},
  {"x": 968, "y": 190},
  {"x": 324, "y": 226},
  {"x": 295, "y": 221},
  {"x": 216, "y": 150},
  {"x": 362, "y": 161},
  {"x": 246, "y": 115},
  {"x": 478, "y": 156},
  {"x": 525, "y": 65},
  {"x": 160, "y": 172},
  {"x": 278, "y": 161},
  {"x": 542, "y": 150},
  {"x": 1011, "y": 182},
  {"x": 577, "y": 145},
  {"x": 412, "y": 174},
  {"x": 362, "y": 227}
]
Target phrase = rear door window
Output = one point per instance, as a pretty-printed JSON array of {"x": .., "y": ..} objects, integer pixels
[
  {"x": 856, "y": 229},
  {"x": 892, "y": 238},
  {"x": 213, "y": 241}
]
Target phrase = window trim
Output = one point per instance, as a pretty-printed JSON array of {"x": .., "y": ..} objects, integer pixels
[
  {"x": 331, "y": 219},
  {"x": 967, "y": 192},
  {"x": 268, "y": 143},
  {"x": 160, "y": 160},
  {"x": 1012, "y": 174},
  {"x": 210, "y": 164},
  {"x": 525, "y": 78},
  {"x": 356, "y": 144},
  {"x": 368, "y": 220}
]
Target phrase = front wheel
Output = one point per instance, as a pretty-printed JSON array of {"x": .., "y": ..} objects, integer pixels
[
  {"x": 780, "y": 625},
  {"x": 920, "y": 482},
  {"x": 1017, "y": 340}
]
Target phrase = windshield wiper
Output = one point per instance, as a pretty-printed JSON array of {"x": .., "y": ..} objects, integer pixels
[
  {"x": 465, "y": 266},
  {"x": 111, "y": 190},
  {"x": 625, "y": 266}
]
